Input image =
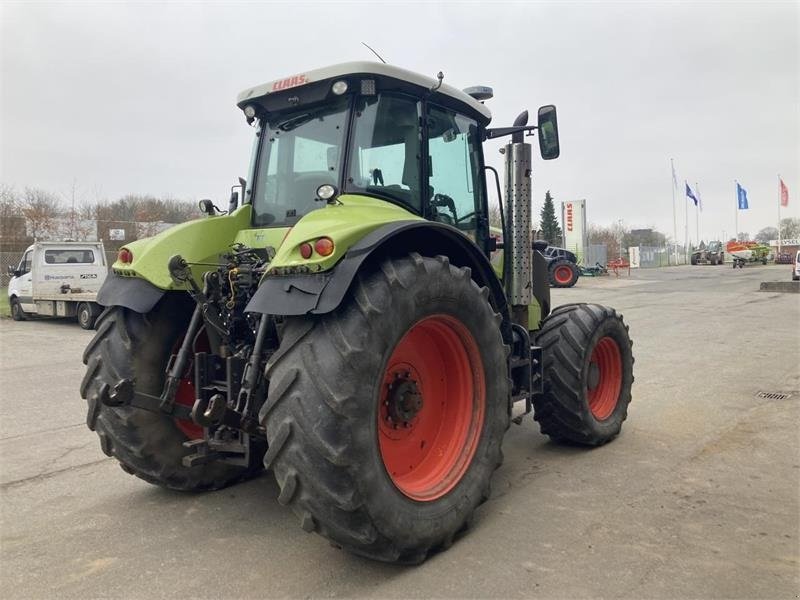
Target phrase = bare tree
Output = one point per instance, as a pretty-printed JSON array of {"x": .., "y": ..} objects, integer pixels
[
  {"x": 765, "y": 235},
  {"x": 790, "y": 228},
  {"x": 40, "y": 209}
]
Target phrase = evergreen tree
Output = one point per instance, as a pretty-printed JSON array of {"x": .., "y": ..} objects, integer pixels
[{"x": 549, "y": 227}]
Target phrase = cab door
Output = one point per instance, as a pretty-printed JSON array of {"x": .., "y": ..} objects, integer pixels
[
  {"x": 22, "y": 284},
  {"x": 455, "y": 179}
]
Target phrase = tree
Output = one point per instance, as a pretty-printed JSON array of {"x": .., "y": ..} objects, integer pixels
[
  {"x": 40, "y": 209},
  {"x": 548, "y": 225},
  {"x": 494, "y": 216},
  {"x": 743, "y": 236},
  {"x": 767, "y": 234},
  {"x": 608, "y": 236},
  {"x": 790, "y": 228},
  {"x": 12, "y": 223}
]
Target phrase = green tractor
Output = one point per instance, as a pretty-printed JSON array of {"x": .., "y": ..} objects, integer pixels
[{"x": 349, "y": 323}]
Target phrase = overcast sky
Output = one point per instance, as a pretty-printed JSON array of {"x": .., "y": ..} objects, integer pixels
[{"x": 139, "y": 98}]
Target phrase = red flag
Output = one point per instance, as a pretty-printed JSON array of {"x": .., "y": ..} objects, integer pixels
[{"x": 784, "y": 194}]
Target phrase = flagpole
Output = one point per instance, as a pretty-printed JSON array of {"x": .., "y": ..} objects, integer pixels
[
  {"x": 736, "y": 213},
  {"x": 674, "y": 217},
  {"x": 697, "y": 210},
  {"x": 686, "y": 230},
  {"x": 779, "y": 213}
]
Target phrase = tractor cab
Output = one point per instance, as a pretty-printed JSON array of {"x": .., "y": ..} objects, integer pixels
[{"x": 364, "y": 128}]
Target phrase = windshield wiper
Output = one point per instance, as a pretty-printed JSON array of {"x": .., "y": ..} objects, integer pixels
[{"x": 295, "y": 122}]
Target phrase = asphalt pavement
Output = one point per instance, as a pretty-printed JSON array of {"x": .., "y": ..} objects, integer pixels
[{"x": 698, "y": 498}]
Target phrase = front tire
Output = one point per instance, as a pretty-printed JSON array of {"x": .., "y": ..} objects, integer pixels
[
  {"x": 16, "y": 310},
  {"x": 147, "y": 444},
  {"x": 385, "y": 418},
  {"x": 588, "y": 374}
]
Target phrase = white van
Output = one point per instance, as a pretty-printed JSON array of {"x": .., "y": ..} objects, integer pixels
[
  {"x": 58, "y": 279},
  {"x": 796, "y": 269}
]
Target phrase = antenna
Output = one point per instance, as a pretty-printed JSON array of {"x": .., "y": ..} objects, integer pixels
[{"x": 375, "y": 53}]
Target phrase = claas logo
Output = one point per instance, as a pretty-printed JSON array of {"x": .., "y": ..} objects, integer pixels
[
  {"x": 569, "y": 216},
  {"x": 289, "y": 82}
]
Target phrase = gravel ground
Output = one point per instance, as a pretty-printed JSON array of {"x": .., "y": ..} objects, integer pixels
[{"x": 697, "y": 498}]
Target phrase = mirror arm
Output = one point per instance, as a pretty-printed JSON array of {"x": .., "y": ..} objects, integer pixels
[{"x": 504, "y": 131}]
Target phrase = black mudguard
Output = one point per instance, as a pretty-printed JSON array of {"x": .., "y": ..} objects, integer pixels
[
  {"x": 322, "y": 292},
  {"x": 131, "y": 292}
]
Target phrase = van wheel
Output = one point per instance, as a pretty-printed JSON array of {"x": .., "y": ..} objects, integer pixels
[
  {"x": 86, "y": 316},
  {"x": 16, "y": 310}
]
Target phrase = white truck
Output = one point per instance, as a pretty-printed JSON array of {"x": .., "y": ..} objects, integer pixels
[{"x": 58, "y": 279}]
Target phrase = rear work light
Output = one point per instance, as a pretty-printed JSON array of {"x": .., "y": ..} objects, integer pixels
[
  {"x": 324, "y": 246},
  {"x": 125, "y": 256}
]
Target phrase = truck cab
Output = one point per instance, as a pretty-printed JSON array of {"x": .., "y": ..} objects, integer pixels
[{"x": 58, "y": 279}]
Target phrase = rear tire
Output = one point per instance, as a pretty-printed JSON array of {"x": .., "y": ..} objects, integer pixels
[
  {"x": 563, "y": 273},
  {"x": 16, "y": 310},
  {"x": 337, "y": 455},
  {"x": 147, "y": 444},
  {"x": 85, "y": 315},
  {"x": 588, "y": 374}
]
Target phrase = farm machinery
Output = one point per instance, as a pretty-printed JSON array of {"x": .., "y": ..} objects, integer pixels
[
  {"x": 711, "y": 254},
  {"x": 341, "y": 324},
  {"x": 747, "y": 252}
]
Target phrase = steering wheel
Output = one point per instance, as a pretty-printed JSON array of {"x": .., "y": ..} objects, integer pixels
[{"x": 445, "y": 201}]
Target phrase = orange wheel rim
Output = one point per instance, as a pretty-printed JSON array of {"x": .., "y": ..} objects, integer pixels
[
  {"x": 605, "y": 378},
  {"x": 432, "y": 406},
  {"x": 185, "y": 394},
  {"x": 563, "y": 274}
]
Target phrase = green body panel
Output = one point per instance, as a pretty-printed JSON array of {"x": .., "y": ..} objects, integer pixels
[
  {"x": 345, "y": 222},
  {"x": 200, "y": 241},
  {"x": 534, "y": 315}
]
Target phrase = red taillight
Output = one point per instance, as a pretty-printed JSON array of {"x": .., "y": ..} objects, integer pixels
[
  {"x": 305, "y": 250},
  {"x": 125, "y": 256},
  {"x": 324, "y": 246}
]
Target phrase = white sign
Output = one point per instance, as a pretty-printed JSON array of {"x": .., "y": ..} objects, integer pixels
[
  {"x": 117, "y": 235},
  {"x": 573, "y": 224},
  {"x": 789, "y": 242},
  {"x": 633, "y": 256}
]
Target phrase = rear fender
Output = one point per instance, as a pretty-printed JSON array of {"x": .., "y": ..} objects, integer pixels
[
  {"x": 321, "y": 293},
  {"x": 134, "y": 293}
]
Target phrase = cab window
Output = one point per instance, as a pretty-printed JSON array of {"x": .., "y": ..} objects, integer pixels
[
  {"x": 62, "y": 257},
  {"x": 386, "y": 149},
  {"x": 25, "y": 263},
  {"x": 299, "y": 153},
  {"x": 454, "y": 169}
]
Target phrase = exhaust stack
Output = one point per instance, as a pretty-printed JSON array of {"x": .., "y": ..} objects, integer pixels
[{"x": 517, "y": 250}]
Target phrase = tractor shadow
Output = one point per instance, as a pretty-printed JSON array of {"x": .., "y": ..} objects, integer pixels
[{"x": 245, "y": 526}]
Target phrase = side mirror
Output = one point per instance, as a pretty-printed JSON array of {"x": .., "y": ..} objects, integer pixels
[
  {"x": 207, "y": 207},
  {"x": 13, "y": 272},
  {"x": 548, "y": 133},
  {"x": 237, "y": 197}
]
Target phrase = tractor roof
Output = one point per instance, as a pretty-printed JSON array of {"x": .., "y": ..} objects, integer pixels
[{"x": 420, "y": 83}]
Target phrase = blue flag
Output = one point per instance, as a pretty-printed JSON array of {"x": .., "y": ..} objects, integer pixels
[
  {"x": 690, "y": 194},
  {"x": 741, "y": 197}
]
